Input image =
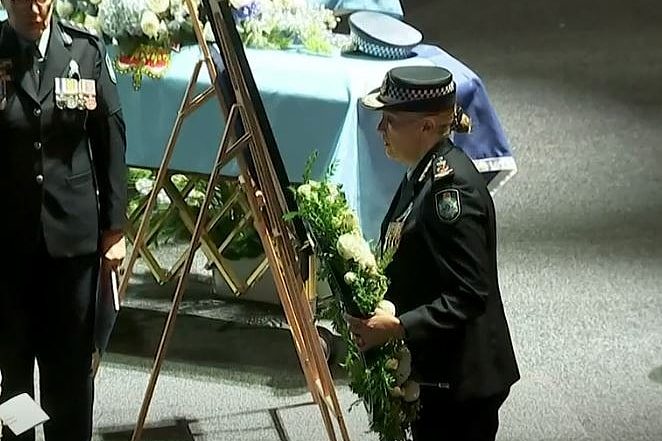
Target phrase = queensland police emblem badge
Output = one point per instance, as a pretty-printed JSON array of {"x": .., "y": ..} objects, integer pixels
[{"x": 448, "y": 205}]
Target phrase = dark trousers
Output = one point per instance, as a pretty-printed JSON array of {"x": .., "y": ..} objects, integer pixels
[
  {"x": 47, "y": 315},
  {"x": 444, "y": 419}
]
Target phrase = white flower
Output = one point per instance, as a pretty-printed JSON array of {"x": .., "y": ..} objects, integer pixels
[
  {"x": 333, "y": 191},
  {"x": 163, "y": 28},
  {"x": 92, "y": 24},
  {"x": 144, "y": 186},
  {"x": 349, "y": 246},
  {"x": 368, "y": 262},
  {"x": 174, "y": 26},
  {"x": 314, "y": 185},
  {"x": 179, "y": 180},
  {"x": 149, "y": 24},
  {"x": 158, "y": 6},
  {"x": 95, "y": 2},
  {"x": 353, "y": 247},
  {"x": 162, "y": 198},
  {"x": 306, "y": 190},
  {"x": 64, "y": 8},
  {"x": 387, "y": 307},
  {"x": 411, "y": 391},
  {"x": 397, "y": 392},
  {"x": 121, "y": 18},
  {"x": 350, "y": 277},
  {"x": 392, "y": 364},
  {"x": 403, "y": 372},
  {"x": 209, "y": 33},
  {"x": 351, "y": 222},
  {"x": 195, "y": 197}
]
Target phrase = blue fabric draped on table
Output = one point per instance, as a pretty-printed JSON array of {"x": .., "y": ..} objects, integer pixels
[
  {"x": 312, "y": 104},
  {"x": 391, "y": 7}
]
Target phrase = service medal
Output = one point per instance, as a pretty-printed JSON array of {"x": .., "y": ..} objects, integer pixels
[
  {"x": 71, "y": 92},
  {"x": 88, "y": 90}
]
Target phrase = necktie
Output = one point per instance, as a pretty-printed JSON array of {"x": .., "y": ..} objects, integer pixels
[
  {"x": 405, "y": 196},
  {"x": 36, "y": 66},
  {"x": 31, "y": 53}
]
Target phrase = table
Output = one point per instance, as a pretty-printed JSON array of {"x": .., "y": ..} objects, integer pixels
[
  {"x": 312, "y": 103},
  {"x": 391, "y": 7}
]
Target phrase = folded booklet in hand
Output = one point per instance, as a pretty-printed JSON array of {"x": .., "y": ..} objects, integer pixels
[{"x": 21, "y": 414}]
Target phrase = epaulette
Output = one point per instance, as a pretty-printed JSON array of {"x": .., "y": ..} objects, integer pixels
[
  {"x": 441, "y": 170},
  {"x": 78, "y": 28}
]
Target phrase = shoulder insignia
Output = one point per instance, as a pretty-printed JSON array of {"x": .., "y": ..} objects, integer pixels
[
  {"x": 441, "y": 169},
  {"x": 80, "y": 28},
  {"x": 448, "y": 205}
]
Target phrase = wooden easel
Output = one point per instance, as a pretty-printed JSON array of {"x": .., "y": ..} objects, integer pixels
[{"x": 289, "y": 250}]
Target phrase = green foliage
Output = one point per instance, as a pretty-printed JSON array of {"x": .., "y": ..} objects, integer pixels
[
  {"x": 284, "y": 24},
  {"x": 349, "y": 265},
  {"x": 245, "y": 244}
]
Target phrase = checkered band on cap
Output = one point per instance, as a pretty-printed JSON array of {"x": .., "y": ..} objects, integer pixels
[
  {"x": 380, "y": 50},
  {"x": 393, "y": 93}
]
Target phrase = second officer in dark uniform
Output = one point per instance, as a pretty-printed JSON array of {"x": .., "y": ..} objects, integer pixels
[
  {"x": 63, "y": 180},
  {"x": 443, "y": 274}
]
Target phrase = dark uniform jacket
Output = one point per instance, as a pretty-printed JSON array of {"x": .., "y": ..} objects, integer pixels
[
  {"x": 63, "y": 170},
  {"x": 443, "y": 277}
]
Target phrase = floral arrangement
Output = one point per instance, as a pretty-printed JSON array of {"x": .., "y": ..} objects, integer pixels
[
  {"x": 380, "y": 376},
  {"x": 148, "y": 31},
  {"x": 84, "y": 12},
  {"x": 245, "y": 244},
  {"x": 283, "y": 24}
]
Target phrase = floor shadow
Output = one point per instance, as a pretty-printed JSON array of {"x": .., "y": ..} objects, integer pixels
[
  {"x": 177, "y": 431},
  {"x": 248, "y": 353},
  {"x": 656, "y": 375}
]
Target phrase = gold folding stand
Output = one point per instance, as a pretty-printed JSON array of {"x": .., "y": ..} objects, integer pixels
[{"x": 290, "y": 256}]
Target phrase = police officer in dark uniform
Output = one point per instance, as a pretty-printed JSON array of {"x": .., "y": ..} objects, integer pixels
[
  {"x": 62, "y": 150},
  {"x": 441, "y": 232}
]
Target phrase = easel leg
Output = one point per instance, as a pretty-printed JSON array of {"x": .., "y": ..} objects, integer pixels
[
  {"x": 294, "y": 299},
  {"x": 181, "y": 284}
]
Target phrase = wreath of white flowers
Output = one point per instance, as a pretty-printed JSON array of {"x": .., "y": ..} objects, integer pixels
[{"x": 381, "y": 376}]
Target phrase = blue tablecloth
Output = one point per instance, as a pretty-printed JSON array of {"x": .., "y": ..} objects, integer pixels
[
  {"x": 312, "y": 104},
  {"x": 391, "y": 7}
]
